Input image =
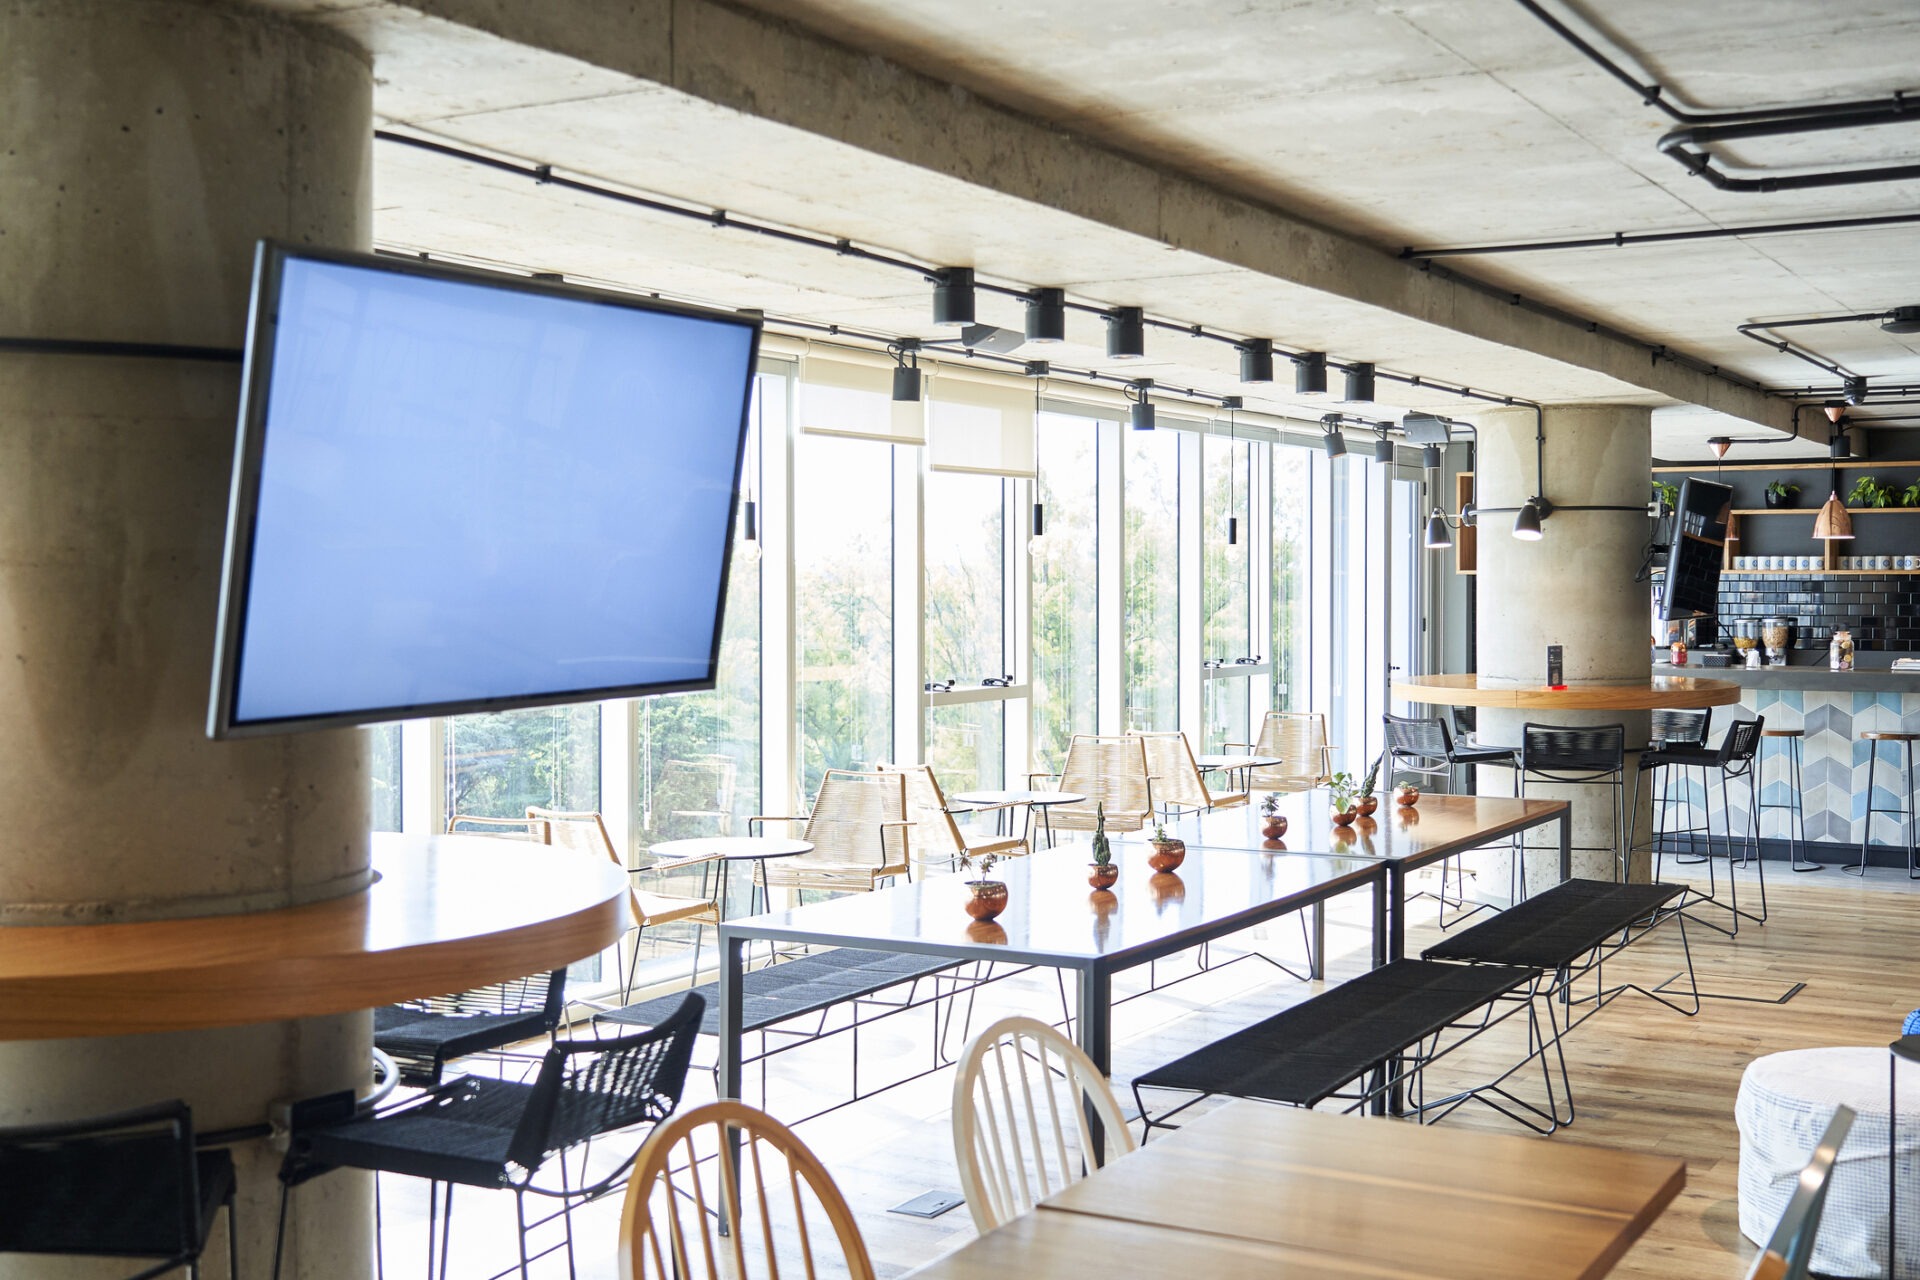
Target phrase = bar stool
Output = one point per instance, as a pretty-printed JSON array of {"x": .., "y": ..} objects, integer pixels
[
  {"x": 1787, "y": 747},
  {"x": 1585, "y": 756},
  {"x": 1735, "y": 759},
  {"x": 1667, "y": 731},
  {"x": 1905, "y": 742}
]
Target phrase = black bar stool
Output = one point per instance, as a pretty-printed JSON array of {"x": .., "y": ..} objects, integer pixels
[
  {"x": 1787, "y": 748},
  {"x": 1583, "y": 756},
  {"x": 1904, "y": 741},
  {"x": 1422, "y": 746},
  {"x": 1735, "y": 759},
  {"x": 1667, "y": 731}
]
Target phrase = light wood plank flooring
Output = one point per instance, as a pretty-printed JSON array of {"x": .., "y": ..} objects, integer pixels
[{"x": 1645, "y": 1078}]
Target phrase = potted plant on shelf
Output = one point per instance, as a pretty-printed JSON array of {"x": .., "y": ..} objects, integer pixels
[
  {"x": 1368, "y": 802},
  {"x": 1344, "y": 791},
  {"x": 1168, "y": 852},
  {"x": 1780, "y": 493},
  {"x": 1273, "y": 824},
  {"x": 985, "y": 898},
  {"x": 1868, "y": 492},
  {"x": 1665, "y": 497},
  {"x": 1910, "y": 496},
  {"x": 1101, "y": 873}
]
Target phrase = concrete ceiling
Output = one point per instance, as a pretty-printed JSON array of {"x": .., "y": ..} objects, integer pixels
[{"x": 1255, "y": 167}]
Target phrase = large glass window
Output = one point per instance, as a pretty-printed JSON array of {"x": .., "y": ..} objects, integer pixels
[
  {"x": 1225, "y": 591},
  {"x": 966, "y": 552},
  {"x": 1290, "y": 645},
  {"x": 498, "y": 763},
  {"x": 1151, "y": 610},
  {"x": 383, "y": 769},
  {"x": 1065, "y": 563},
  {"x": 843, "y": 603}
]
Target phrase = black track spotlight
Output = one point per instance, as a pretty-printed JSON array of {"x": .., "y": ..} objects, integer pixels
[
  {"x": 1141, "y": 411},
  {"x": 1383, "y": 448},
  {"x": 1047, "y": 315},
  {"x": 1126, "y": 333},
  {"x": 1334, "y": 442},
  {"x": 1902, "y": 320},
  {"x": 1430, "y": 457},
  {"x": 1855, "y": 388},
  {"x": 1310, "y": 373},
  {"x": 906, "y": 370},
  {"x": 1256, "y": 360},
  {"x": 1526, "y": 525},
  {"x": 1359, "y": 384},
  {"x": 1437, "y": 539},
  {"x": 953, "y": 296},
  {"x": 1838, "y": 446}
]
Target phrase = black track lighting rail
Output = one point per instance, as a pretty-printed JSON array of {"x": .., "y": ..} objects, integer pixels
[
  {"x": 544, "y": 175},
  {"x": 139, "y": 350},
  {"x": 1627, "y": 239},
  {"x": 1758, "y": 332},
  {"x": 1698, "y": 128}
]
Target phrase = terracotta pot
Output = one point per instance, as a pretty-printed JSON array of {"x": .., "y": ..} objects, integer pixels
[
  {"x": 1101, "y": 877},
  {"x": 1341, "y": 817},
  {"x": 1274, "y": 827},
  {"x": 987, "y": 899},
  {"x": 1167, "y": 854},
  {"x": 1167, "y": 887},
  {"x": 1367, "y": 805},
  {"x": 1408, "y": 796}
]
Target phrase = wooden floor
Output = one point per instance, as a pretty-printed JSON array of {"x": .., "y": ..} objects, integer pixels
[{"x": 1645, "y": 1077}]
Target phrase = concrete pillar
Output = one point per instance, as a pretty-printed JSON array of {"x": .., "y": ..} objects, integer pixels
[
  {"x": 144, "y": 148},
  {"x": 1573, "y": 588}
]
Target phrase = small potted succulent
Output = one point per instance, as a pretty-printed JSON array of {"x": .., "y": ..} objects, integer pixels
[
  {"x": 1345, "y": 793},
  {"x": 1101, "y": 873},
  {"x": 1273, "y": 824},
  {"x": 1407, "y": 796},
  {"x": 1168, "y": 852},
  {"x": 985, "y": 898},
  {"x": 1367, "y": 801},
  {"x": 1780, "y": 493}
]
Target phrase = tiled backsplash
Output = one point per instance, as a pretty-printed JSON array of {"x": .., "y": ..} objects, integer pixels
[{"x": 1883, "y": 612}]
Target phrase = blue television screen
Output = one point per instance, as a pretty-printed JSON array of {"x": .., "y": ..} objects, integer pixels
[{"x": 455, "y": 491}]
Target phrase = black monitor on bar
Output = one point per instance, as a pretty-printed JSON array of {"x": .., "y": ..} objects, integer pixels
[
  {"x": 456, "y": 491},
  {"x": 1691, "y": 588}
]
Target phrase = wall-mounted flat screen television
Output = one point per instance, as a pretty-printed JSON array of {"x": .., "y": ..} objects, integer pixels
[
  {"x": 458, "y": 491},
  {"x": 1696, "y": 548}
]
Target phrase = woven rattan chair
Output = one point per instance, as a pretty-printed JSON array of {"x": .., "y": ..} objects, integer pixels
[
  {"x": 1299, "y": 740},
  {"x": 586, "y": 831},
  {"x": 1020, "y": 1097},
  {"x": 859, "y": 831},
  {"x": 689, "y": 1215},
  {"x": 467, "y": 824},
  {"x": 127, "y": 1185},
  {"x": 500, "y": 1134},
  {"x": 1178, "y": 784},
  {"x": 937, "y": 835},
  {"x": 1109, "y": 769}
]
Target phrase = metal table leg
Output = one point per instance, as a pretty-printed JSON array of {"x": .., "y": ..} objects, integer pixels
[{"x": 1095, "y": 1034}]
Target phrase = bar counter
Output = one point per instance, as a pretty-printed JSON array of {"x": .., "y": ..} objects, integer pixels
[{"x": 1833, "y": 708}]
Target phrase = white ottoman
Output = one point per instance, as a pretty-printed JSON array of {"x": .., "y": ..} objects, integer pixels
[{"x": 1785, "y": 1102}]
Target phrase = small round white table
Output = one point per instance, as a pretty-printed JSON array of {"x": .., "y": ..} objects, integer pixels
[
  {"x": 1030, "y": 800},
  {"x": 727, "y": 850},
  {"x": 1243, "y": 765}
]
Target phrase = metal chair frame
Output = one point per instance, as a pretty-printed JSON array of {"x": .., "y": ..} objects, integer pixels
[
  {"x": 1906, "y": 813},
  {"x": 1736, "y": 760},
  {"x": 1787, "y": 742},
  {"x": 1579, "y": 755}
]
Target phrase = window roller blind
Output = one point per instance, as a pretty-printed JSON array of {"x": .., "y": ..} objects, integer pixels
[
  {"x": 981, "y": 426},
  {"x": 854, "y": 397}
]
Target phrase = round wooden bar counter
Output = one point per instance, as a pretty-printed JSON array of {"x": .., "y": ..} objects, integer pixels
[
  {"x": 1677, "y": 692},
  {"x": 446, "y": 914}
]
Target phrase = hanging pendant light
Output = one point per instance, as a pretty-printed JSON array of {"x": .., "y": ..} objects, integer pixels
[
  {"x": 1037, "y": 528},
  {"x": 750, "y": 549},
  {"x": 1833, "y": 524},
  {"x": 1233, "y": 464},
  {"x": 1437, "y": 539},
  {"x": 1526, "y": 525}
]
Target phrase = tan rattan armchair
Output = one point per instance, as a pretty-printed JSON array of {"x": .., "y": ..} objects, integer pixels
[
  {"x": 1299, "y": 739},
  {"x": 859, "y": 832},
  {"x": 1109, "y": 769},
  {"x": 937, "y": 833},
  {"x": 586, "y": 831},
  {"x": 466, "y": 824},
  {"x": 1177, "y": 781}
]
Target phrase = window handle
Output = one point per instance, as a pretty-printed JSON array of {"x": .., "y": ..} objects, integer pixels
[{"x": 935, "y": 686}]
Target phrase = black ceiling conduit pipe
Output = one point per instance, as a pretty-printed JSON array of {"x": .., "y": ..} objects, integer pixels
[
  {"x": 1625, "y": 239},
  {"x": 1700, "y": 127},
  {"x": 1755, "y": 331}
]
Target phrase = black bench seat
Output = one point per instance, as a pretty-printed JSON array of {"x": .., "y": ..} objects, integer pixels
[
  {"x": 1557, "y": 926},
  {"x": 806, "y": 984},
  {"x": 1305, "y": 1054}
]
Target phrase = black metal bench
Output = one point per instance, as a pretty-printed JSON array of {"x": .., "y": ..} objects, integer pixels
[
  {"x": 1569, "y": 931},
  {"x": 1390, "y": 1024}
]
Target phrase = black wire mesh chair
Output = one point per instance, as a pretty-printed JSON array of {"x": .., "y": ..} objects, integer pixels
[
  {"x": 497, "y": 1134},
  {"x": 1422, "y": 746},
  {"x": 1668, "y": 733},
  {"x": 422, "y": 1036},
  {"x": 1734, "y": 760},
  {"x": 1580, "y": 755},
  {"x": 126, "y": 1185}
]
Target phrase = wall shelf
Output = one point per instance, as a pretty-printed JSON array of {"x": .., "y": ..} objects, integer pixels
[
  {"x": 1823, "y": 464},
  {"x": 1814, "y": 511}
]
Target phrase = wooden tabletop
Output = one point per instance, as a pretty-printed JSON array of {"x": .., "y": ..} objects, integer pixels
[
  {"x": 1676, "y": 692},
  {"x": 447, "y": 913},
  {"x": 1251, "y": 1186}
]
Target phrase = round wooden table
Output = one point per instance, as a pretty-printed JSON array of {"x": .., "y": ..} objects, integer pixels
[
  {"x": 447, "y": 913},
  {"x": 1676, "y": 692}
]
